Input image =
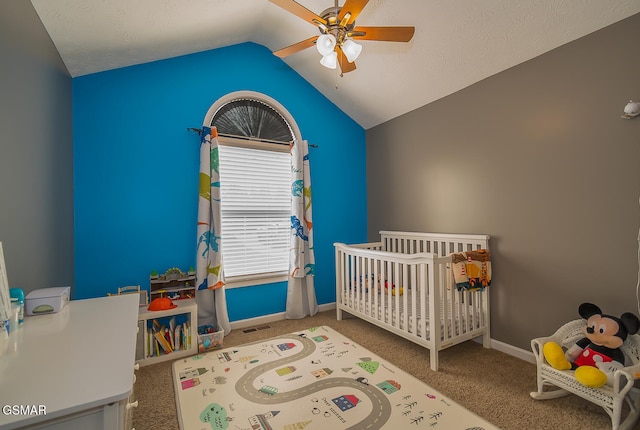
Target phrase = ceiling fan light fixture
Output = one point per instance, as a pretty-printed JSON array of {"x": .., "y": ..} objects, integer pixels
[
  {"x": 351, "y": 50},
  {"x": 330, "y": 60},
  {"x": 325, "y": 44}
]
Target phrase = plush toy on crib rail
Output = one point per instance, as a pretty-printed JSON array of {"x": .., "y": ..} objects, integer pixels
[{"x": 598, "y": 355}]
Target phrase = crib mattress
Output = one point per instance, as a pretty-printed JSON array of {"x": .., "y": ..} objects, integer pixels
[{"x": 396, "y": 318}]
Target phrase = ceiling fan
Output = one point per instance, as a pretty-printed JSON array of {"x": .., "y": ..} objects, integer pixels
[{"x": 338, "y": 31}]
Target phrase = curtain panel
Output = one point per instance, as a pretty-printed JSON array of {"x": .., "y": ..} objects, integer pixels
[
  {"x": 301, "y": 295},
  {"x": 210, "y": 293}
]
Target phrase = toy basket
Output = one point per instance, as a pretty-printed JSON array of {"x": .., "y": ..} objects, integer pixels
[{"x": 209, "y": 339}]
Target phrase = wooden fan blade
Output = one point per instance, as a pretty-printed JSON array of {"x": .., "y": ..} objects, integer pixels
[
  {"x": 343, "y": 62},
  {"x": 387, "y": 34},
  {"x": 353, "y": 7},
  {"x": 296, "y": 47},
  {"x": 299, "y": 10}
]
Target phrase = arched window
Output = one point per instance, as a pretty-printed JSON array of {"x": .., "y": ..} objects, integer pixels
[
  {"x": 254, "y": 134},
  {"x": 232, "y": 114}
]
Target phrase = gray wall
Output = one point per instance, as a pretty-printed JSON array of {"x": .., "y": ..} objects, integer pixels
[
  {"x": 539, "y": 158},
  {"x": 36, "y": 153}
]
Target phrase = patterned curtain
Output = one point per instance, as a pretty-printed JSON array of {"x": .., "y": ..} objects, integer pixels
[
  {"x": 301, "y": 294},
  {"x": 210, "y": 294}
]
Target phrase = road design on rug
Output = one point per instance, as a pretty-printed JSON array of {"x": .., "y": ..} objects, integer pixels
[
  {"x": 313, "y": 379},
  {"x": 244, "y": 387}
]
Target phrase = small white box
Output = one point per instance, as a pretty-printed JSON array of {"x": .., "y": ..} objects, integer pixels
[{"x": 46, "y": 300}]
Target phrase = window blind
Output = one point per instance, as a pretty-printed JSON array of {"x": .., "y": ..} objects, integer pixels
[{"x": 255, "y": 190}]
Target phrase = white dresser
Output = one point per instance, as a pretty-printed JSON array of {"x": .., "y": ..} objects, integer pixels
[{"x": 76, "y": 365}]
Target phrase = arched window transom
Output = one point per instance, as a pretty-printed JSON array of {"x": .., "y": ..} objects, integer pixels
[{"x": 252, "y": 119}]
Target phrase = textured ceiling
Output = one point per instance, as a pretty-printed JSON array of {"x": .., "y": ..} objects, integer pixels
[{"x": 456, "y": 43}]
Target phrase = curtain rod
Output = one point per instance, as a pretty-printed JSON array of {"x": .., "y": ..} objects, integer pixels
[{"x": 199, "y": 131}]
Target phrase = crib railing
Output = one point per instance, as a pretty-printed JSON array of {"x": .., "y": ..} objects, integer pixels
[{"x": 438, "y": 243}]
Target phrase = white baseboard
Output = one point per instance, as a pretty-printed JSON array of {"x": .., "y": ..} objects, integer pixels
[
  {"x": 266, "y": 319},
  {"x": 513, "y": 351},
  {"x": 327, "y": 307}
]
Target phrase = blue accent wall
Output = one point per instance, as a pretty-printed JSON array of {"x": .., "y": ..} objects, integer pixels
[{"x": 136, "y": 169}]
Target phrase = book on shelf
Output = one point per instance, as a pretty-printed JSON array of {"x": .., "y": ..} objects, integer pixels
[
  {"x": 164, "y": 343},
  {"x": 172, "y": 332},
  {"x": 186, "y": 329},
  {"x": 150, "y": 343},
  {"x": 167, "y": 337},
  {"x": 177, "y": 338}
]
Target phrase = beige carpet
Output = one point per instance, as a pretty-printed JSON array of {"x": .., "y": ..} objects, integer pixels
[{"x": 489, "y": 383}]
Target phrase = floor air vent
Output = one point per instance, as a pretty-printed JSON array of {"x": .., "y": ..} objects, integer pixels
[{"x": 251, "y": 330}]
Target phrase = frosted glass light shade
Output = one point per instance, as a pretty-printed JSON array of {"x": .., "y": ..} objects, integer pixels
[
  {"x": 632, "y": 108},
  {"x": 330, "y": 60},
  {"x": 351, "y": 50},
  {"x": 325, "y": 44}
]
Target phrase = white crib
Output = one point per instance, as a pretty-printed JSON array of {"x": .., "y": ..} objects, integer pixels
[{"x": 404, "y": 284}]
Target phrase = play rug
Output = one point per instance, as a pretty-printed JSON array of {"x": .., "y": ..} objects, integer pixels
[{"x": 313, "y": 379}]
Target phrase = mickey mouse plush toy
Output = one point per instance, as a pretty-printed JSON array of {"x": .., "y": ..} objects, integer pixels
[{"x": 596, "y": 356}]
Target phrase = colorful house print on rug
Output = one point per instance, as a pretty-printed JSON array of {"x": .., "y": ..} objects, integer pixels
[
  {"x": 191, "y": 378},
  {"x": 321, "y": 380},
  {"x": 389, "y": 387},
  {"x": 346, "y": 402},
  {"x": 320, "y": 338},
  {"x": 261, "y": 421},
  {"x": 286, "y": 346}
]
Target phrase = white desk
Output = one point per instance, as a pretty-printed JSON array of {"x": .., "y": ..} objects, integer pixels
[{"x": 78, "y": 364}]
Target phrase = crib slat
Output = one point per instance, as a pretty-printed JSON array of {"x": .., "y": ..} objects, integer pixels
[
  {"x": 409, "y": 290},
  {"x": 450, "y": 307},
  {"x": 404, "y": 312},
  {"x": 423, "y": 297},
  {"x": 354, "y": 277},
  {"x": 374, "y": 289},
  {"x": 387, "y": 293},
  {"x": 367, "y": 286},
  {"x": 435, "y": 322},
  {"x": 339, "y": 272}
]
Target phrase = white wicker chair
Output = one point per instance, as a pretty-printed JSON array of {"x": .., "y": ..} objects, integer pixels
[{"x": 611, "y": 399}]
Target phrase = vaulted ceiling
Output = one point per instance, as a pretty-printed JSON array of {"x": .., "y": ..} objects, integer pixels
[{"x": 456, "y": 43}]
